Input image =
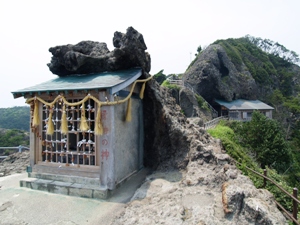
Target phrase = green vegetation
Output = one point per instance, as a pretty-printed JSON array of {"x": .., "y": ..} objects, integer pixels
[
  {"x": 269, "y": 63},
  {"x": 14, "y": 127},
  {"x": 13, "y": 138},
  {"x": 265, "y": 140},
  {"x": 160, "y": 77},
  {"x": 199, "y": 49},
  {"x": 232, "y": 135},
  {"x": 201, "y": 102},
  {"x": 15, "y": 118},
  {"x": 167, "y": 84}
]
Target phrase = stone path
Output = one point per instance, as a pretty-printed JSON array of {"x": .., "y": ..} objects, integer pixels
[{"x": 26, "y": 206}]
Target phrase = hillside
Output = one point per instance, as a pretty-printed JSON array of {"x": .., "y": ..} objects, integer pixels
[
  {"x": 250, "y": 68},
  {"x": 13, "y": 137},
  {"x": 270, "y": 64},
  {"x": 239, "y": 68},
  {"x": 15, "y": 118}
]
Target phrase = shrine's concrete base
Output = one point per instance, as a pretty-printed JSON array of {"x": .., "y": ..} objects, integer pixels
[
  {"x": 67, "y": 185},
  {"x": 22, "y": 205},
  {"x": 86, "y": 187}
]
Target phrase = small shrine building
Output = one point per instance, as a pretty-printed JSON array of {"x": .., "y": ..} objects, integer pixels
[{"x": 85, "y": 130}]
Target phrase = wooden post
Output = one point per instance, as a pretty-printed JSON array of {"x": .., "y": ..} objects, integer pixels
[
  {"x": 265, "y": 180},
  {"x": 295, "y": 204}
]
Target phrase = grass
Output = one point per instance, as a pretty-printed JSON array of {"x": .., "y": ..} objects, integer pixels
[{"x": 239, "y": 153}]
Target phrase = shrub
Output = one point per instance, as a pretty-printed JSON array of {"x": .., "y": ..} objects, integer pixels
[{"x": 167, "y": 84}]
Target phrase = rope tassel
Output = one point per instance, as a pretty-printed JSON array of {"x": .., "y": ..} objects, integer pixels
[
  {"x": 128, "y": 111},
  {"x": 83, "y": 124},
  {"x": 36, "y": 118},
  {"x": 64, "y": 122},
  {"x": 98, "y": 123},
  {"x": 142, "y": 90},
  {"x": 50, "y": 127}
]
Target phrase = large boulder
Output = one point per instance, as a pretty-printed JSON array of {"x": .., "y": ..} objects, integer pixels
[
  {"x": 213, "y": 75},
  {"x": 188, "y": 103},
  {"x": 190, "y": 106},
  {"x": 93, "y": 57}
]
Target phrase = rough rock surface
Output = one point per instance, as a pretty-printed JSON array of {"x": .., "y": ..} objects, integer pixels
[
  {"x": 14, "y": 163},
  {"x": 190, "y": 106},
  {"x": 94, "y": 57},
  {"x": 195, "y": 182},
  {"x": 214, "y": 75},
  {"x": 211, "y": 190}
]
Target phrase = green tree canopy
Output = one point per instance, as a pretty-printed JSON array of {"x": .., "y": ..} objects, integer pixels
[
  {"x": 15, "y": 118},
  {"x": 264, "y": 138}
]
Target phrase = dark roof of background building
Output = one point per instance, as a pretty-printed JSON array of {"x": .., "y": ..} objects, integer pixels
[{"x": 241, "y": 104}]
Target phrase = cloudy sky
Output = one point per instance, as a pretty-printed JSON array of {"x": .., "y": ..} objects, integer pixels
[{"x": 172, "y": 31}]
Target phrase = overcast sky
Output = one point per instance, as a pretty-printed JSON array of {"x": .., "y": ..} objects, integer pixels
[{"x": 172, "y": 31}]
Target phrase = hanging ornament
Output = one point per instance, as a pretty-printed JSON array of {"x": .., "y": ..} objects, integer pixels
[
  {"x": 50, "y": 127},
  {"x": 128, "y": 111},
  {"x": 36, "y": 119},
  {"x": 142, "y": 90},
  {"x": 98, "y": 123},
  {"x": 83, "y": 123},
  {"x": 64, "y": 122}
]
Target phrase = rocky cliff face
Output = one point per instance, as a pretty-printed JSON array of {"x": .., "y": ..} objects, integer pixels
[
  {"x": 195, "y": 181},
  {"x": 213, "y": 75},
  {"x": 14, "y": 163}
]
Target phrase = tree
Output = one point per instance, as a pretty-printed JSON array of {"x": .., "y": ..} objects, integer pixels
[
  {"x": 15, "y": 118},
  {"x": 199, "y": 49},
  {"x": 277, "y": 99},
  {"x": 265, "y": 139}
]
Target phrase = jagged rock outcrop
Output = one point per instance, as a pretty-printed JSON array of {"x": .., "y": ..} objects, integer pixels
[
  {"x": 213, "y": 75},
  {"x": 188, "y": 103},
  {"x": 94, "y": 57},
  {"x": 190, "y": 106},
  {"x": 195, "y": 181},
  {"x": 14, "y": 163}
]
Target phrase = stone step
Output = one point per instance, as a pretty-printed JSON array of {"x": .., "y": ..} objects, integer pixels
[
  {"x": 66, "y": 188},
  {"x": 65, "y": 178}
]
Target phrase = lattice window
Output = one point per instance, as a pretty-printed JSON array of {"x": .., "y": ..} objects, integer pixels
[
  {"x": 234, "y": 115},
  {"x": 76, "y": 147}
]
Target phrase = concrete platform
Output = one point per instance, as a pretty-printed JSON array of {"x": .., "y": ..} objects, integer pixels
[
  {"x": 20, "y": 205},
  {"x": 69, "y": 185},
  {"x": 66, "y": 185}
]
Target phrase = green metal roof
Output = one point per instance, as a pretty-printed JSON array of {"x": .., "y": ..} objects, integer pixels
[
  {"x": 241, "y": 104},
  {"x": 112, "y": 80}
]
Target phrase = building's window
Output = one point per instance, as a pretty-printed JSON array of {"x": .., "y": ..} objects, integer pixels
[
  {"x": 234, "y": 115},
  {"x": 77, "y": 147}
]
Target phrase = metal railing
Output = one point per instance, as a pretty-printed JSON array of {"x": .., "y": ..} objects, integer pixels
[
  {"x": 177, "y": 82},
  {"x": 19, "y": 148},
  {"x": 293, "y": 196},
  {"x": 214, "y": 122}
]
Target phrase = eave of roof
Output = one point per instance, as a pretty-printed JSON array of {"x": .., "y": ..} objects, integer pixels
[
  {"x": 241, "y": 104},
  {"x": 114, "y": 81}
]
